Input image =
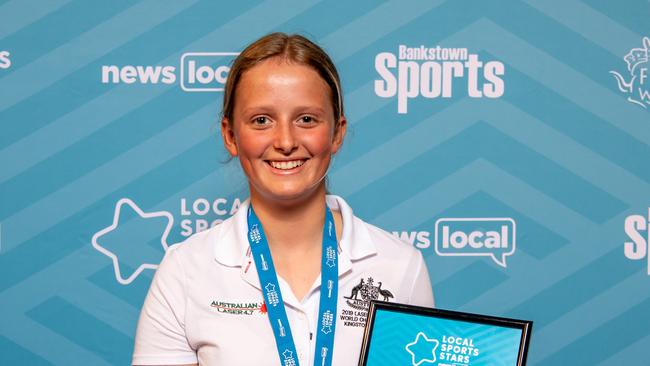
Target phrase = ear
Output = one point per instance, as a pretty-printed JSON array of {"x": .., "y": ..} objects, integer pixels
[
  {"x": 228, "y": 135},
  {"x": 339, "y": 134}
]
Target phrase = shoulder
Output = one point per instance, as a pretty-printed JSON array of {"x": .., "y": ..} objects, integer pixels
[
  {"x": 395, "y": 264},
  {"x": 193, "y": 253},
  {"x": 197, "y": 244},
  {"x": 388, "y": 244},
  {"x": 362, "y": 238},
  {"x": 223, "y": 242}
]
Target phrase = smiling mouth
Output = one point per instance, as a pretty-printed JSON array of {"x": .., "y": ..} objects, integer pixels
[{"x": 286, "y": 165}]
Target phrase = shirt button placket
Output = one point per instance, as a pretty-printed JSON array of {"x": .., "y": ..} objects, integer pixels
[{"x": 305, "y": 343}]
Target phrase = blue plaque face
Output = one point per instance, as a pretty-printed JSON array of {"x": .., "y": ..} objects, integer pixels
[{"x": 412, "y": 336}]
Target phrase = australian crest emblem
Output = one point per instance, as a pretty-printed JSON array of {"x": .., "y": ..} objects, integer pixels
[{"x": 366, "y": 290}]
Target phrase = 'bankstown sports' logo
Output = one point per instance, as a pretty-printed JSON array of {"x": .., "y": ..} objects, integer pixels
[
  {"x": 476, "y": 237},
  {"x": 636, "y": 87},
  {"x": 430, "y": 72},
  {"x": 639, "y": 245},
  {"x": 199, "y": 72}
]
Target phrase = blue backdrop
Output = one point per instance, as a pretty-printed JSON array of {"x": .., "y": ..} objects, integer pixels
[{"x": 507, "y": 140}]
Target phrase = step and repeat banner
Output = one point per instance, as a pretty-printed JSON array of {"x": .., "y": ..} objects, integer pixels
[{"x": 509, "y": 141}]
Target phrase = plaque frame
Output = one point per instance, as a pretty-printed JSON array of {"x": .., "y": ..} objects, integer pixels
[{"x": 524, "y": 325}]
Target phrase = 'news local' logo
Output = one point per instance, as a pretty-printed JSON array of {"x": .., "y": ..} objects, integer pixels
[
  {"x": 5, "y": 62},
  {"x": 639, "y": 246},
  {"x": 476, "y": 237},
  {"x": 430, "y": 72},
  {"x": 197, "y": 72}
]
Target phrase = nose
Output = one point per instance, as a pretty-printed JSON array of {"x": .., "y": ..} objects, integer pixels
[{"x": 285, "y": 137}]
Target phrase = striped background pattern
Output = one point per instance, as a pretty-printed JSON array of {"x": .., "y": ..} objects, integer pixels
[{"x": 561, "y": 152}]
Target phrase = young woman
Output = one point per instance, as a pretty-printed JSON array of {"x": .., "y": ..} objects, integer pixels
[{"x": 288, "y": 278}]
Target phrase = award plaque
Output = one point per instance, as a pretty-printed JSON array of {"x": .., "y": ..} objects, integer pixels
[{"x": 397, "y": 335}]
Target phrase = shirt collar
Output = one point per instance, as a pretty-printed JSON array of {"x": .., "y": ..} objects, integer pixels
[
  {"x": 355, "y": 240},
  {"x": 232, "y": 248}
]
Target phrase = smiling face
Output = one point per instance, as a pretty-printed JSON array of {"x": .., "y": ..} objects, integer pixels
[{"x": 283, "y": 130}]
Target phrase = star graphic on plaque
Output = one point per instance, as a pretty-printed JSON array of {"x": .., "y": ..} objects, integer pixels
[{"x": 422, "y": 349}]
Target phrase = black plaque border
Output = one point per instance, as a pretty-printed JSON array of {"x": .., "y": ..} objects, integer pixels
[{"x": 525, "y": 326}]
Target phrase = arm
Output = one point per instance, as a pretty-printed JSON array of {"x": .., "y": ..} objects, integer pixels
[{"x": 160, "y": 337}]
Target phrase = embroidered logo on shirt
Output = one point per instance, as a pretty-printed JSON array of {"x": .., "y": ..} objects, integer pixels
[
  {"x": 359, "y": 301},
  {"x": 368, "y": 291},
  {"x": 239, "y": 308}
]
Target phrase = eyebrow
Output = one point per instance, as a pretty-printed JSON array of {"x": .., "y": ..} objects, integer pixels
[
  {"x": 257, "y": 109},
  {"x": 270, "y": 109},
  {"x": 317, "y": 110}
]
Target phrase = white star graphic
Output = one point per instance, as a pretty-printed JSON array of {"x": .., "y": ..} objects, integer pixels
[
  {"x": 270, "y": 287},
  {"x": 287, "y": 354},
  {"x": 113, "y": 226},
  {"x": 418, "y": 338}
]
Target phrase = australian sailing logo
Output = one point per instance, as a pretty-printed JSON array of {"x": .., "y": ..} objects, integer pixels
[
  {"x": 367, "y": 291},
  {"x": 636, "y": 87},
  {"x": 239, "y": 308}
]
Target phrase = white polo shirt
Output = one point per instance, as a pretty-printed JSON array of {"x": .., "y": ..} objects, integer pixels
[{"x": 205, "y": 304}]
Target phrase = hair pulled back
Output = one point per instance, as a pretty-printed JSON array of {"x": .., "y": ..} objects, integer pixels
[{"x": 293, "y": 48}]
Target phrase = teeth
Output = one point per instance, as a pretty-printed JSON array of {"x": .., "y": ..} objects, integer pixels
[{"x": 287, "y": 164}]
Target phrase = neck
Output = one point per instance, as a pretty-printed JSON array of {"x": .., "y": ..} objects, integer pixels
[{"x": 295, "y": 225}]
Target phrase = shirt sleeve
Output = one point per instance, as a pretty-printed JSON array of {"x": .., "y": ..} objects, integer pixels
[
  {"x": 421, "y": 291},
  {"x": 160, "y": 337}
]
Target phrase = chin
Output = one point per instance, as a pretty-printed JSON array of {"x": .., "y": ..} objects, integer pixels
[{"x": 293, "y": 194}]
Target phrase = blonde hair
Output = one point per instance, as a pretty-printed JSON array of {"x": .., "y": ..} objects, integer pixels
[{"x": 294, "y": 48}]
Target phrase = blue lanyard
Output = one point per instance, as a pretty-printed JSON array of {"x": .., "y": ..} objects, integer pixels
[{"x": 273, "y": 296}]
